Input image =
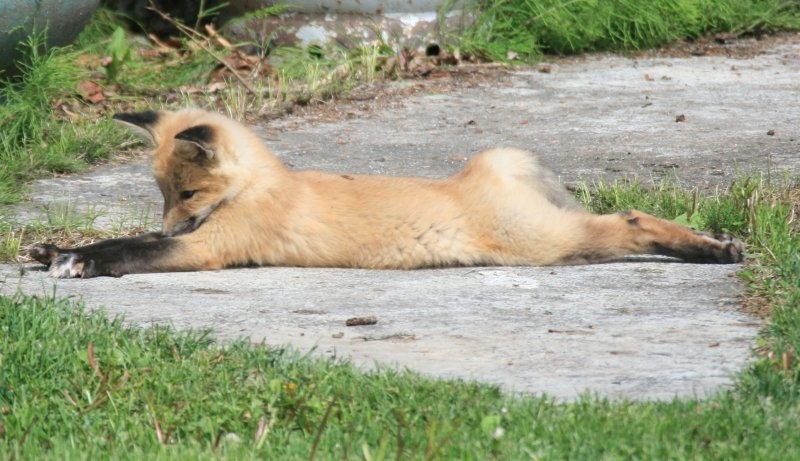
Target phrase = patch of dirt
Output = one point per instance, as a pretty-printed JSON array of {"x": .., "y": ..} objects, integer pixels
[
  {"x": 369, "y": 98},
  {"x": 725, "y": 44},
  {"x": 386, "y": 94}
]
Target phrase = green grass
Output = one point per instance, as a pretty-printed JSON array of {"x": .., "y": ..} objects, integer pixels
[
  {"x": 530, "y": 28},
  {"x": 33, "y": 138},
  {"x": 76, "y": 384},
  {"x": 46, "y": 127}
]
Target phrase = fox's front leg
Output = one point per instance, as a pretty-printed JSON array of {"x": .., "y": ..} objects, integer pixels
[{"x": 153, "y": 252}]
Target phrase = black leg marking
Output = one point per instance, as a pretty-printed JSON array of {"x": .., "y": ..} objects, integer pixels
[
  {"x": 114, "y": 257},
  {"x": 719, "y": 252}
]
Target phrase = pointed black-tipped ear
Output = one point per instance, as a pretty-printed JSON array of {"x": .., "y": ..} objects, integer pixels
[
  {"x": 199, "y": 138},
  {"x": 141, "y": 123}
]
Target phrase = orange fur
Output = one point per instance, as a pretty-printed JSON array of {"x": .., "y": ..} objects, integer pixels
[{"x": 229, "y": 201}]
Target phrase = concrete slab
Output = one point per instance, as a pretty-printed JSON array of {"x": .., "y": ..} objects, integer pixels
[{"x": 639, "y": 329}]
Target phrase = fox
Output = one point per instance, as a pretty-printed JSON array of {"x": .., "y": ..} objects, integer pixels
[{"x": 230, "y": 202}]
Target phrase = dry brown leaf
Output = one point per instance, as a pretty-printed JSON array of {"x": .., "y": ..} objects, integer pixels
[
  {"x": 216, "y": 87},
  {"x": 152, "y": 52},
  {"x": 91, "y": 92}
]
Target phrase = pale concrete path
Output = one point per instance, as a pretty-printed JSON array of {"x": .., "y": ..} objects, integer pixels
[{"x": 638, "y": 330}]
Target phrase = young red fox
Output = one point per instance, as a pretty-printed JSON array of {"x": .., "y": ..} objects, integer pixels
[{"x": 228, "y": 202}]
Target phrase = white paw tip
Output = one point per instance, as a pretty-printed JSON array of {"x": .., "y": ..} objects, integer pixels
[{"x": 65, "y": 267}]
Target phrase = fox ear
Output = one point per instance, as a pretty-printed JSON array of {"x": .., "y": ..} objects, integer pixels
[
  {"x": 141, "y": 123},
  {"x": 197, "y": 140}
]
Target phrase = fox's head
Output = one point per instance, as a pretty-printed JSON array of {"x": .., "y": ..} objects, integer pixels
[{"x": 201, "y": 161}]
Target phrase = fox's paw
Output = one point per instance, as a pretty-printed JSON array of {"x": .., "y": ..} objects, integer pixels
[
  {"x": 728, "y": 249},
  {"x": 71, "y": 265},
  {"x": 732, "y": 248},
  {"x": 722, "y": 248},
  {"x": 44, "y": 253}
]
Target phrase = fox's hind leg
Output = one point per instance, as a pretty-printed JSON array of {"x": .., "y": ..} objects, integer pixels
[
  {"x": 634, "y": 232},
  {"x": 670, "y": 239}
]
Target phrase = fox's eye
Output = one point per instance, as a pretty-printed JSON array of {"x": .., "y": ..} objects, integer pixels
[{"x": 187, "y": 194}]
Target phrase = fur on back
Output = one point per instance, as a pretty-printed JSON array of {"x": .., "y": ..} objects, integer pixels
[{"x": 496, "y": 211}]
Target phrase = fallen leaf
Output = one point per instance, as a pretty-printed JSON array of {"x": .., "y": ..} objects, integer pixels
[
  {"x": 215, "y": 87},
  {"x": 149, "y": 53},
  {"x": 91, "y": 92}
]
